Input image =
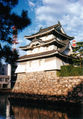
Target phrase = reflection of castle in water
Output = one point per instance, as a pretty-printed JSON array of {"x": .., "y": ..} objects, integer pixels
[
  {"x": 8, "y": 110},
  {"x": 14, "y": 110},
  {"x": 34, "y": 113},
  {"x": 4, "y": 107}
]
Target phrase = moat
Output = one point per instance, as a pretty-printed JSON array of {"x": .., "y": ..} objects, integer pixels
[{"x": 30, "y": 110}]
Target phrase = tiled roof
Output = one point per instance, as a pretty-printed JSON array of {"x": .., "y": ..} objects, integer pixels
[
  {"x": 37, "y": 55},
  {"x": 43, "y": 30},
  {"x": 42, "y": 54},
  {"x": 48, "y": 30}
]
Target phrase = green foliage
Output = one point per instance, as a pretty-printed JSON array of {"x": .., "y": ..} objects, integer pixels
[
  {"x": 8, "y": 19},
  {"x": 78, "y": 54},
  {"x": 79, "y": 48},
  {"x": 58, "y": 73},
  {"x": 70, "y": 71}
]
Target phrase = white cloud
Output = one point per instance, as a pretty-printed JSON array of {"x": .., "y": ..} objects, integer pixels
[
  {"x": 31, "y": 4},
  {"x": 69, "y": 12},
  {"x": 52, "y": 2}
]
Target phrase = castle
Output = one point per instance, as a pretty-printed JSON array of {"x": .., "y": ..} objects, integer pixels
[{"x": 48, "y": 50}]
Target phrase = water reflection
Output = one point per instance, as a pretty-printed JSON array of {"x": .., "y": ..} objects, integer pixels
[
  {"x": 16, "y": 111},
  {"x": 37, "y": 113},
  {"x": 8, "y": 109}
]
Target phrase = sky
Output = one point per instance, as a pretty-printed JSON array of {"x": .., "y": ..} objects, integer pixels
[{"x": 44, "y": 13}]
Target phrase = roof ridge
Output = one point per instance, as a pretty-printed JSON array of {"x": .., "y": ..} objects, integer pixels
[
  {"x": 44, "y": 30},
  {"x": 49, "y": 27}
]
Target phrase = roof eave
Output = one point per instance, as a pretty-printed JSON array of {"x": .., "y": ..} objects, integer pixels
[
  {"x": 37, "y": 35},
  {"x": 71, "y": 38},
  {"x": 66, "y": 56},
  {"x": 25, "y": 48},
  {"x": 37, "y": 57}
]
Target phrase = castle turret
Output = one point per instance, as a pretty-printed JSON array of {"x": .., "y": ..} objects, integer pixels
[{"x": 49, "y": 49}]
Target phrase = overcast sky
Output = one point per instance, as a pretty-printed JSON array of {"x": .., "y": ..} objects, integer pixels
[{"x": 45, "y": 13}]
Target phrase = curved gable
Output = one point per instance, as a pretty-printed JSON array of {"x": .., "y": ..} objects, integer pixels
[{"x": 36, "y": 42}]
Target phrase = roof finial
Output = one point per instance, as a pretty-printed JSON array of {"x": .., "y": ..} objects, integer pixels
[
  {"x": 59, "y": 23},
  {"x": 40, "y": 28}
]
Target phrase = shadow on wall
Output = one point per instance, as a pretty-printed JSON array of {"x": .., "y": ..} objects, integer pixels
[
  {"x": 76, "y": 94},
  {"x": 73, "y": 96}
]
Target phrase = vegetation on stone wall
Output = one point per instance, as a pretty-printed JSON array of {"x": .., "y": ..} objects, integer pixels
[{"x": 70, "y": 71}]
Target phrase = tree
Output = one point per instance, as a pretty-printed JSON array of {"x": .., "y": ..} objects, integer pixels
[
  {"x": 78, "y": 53},
  {"x": 7, "y": 21}
]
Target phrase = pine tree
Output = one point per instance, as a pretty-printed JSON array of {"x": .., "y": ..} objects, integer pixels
[
  {"x": 7, "y": 21},
  {"x": 78, "y": 53}
]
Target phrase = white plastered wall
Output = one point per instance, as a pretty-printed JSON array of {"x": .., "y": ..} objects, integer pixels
[
  {"x": 48, "y": 37},
  {"x": 41, "y": 49},
  {"x": 52, "y": 63}
]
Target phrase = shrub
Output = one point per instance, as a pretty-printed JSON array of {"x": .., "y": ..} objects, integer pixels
[{"x": 71, "y": 71}]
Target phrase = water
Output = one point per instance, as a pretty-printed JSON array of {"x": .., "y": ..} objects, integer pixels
[{"x": 9, "y": 110}]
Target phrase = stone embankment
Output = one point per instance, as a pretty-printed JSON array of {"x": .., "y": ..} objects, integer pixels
[{"x": 46, "y": 83}]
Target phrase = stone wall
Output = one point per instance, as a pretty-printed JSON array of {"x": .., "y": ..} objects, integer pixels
[{"x": 46, "y": 83}]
